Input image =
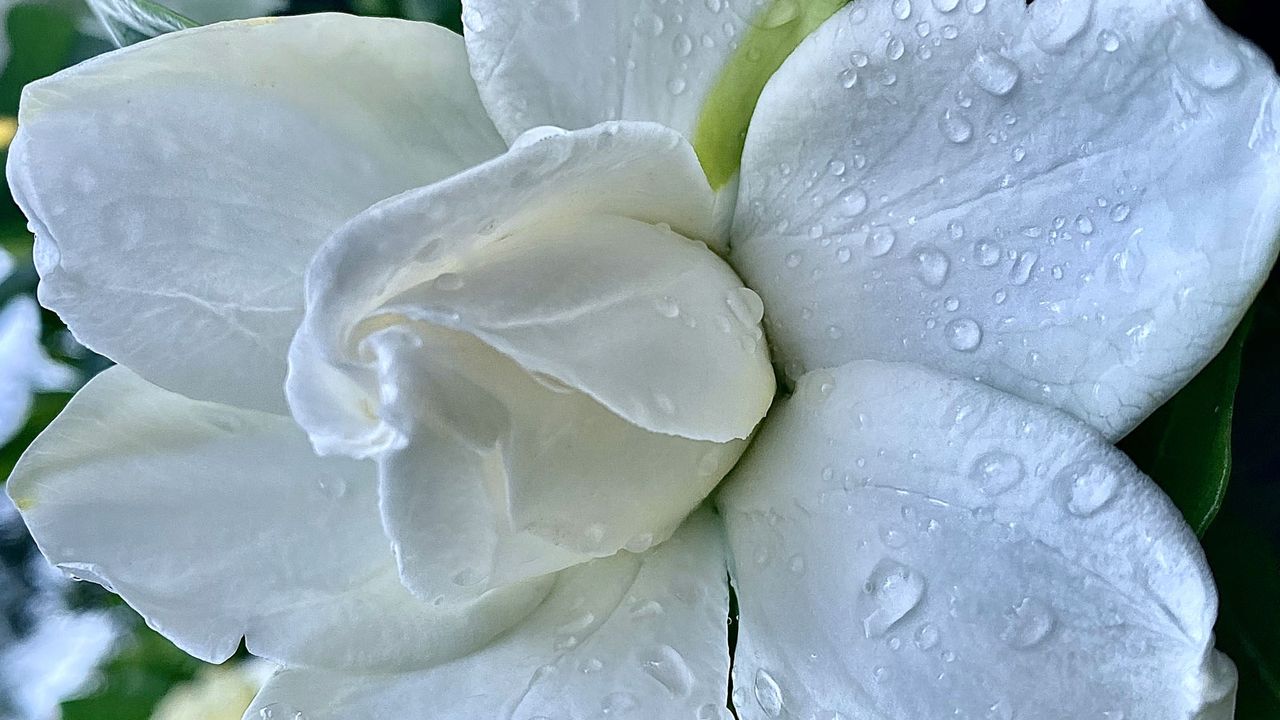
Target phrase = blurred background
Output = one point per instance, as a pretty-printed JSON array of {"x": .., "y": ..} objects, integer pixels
[{"x": 71, "y": 650}]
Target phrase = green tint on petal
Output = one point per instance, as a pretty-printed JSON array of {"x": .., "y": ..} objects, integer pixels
[
  {"x": 722, "y": 127},
  {"x": 1185, "y": 446}
]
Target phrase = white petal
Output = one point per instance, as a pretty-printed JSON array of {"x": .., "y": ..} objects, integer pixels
[
  {"x": 179, "y": 187},
  {"x": 639, "y": 636},
  {"x": 505, "y": 476},
  {"x": 575, "y": 63},
  {"x": 907, "y": 545},
  {"x": 541, "y": 369},
  {"x": 218, "y": 523},
  {"x": 1074, "y": 202},
  {"x": 540, "y": 234}
]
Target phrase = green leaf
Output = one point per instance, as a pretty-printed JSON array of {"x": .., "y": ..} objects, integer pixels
[
  {"x": 722, "y": 127},
  {"x": 1185, "y": 445},
  {"x": 131, "y": 21},
  {"x": 1247, "y": 571},
  {"x": 135, "y": 680},
  {"x": 41, "y": 38}
]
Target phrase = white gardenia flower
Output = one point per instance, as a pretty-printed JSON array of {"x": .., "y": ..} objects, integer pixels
[{"x": 424, "y": 380}]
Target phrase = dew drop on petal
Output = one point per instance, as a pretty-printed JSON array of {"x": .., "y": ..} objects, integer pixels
[
  {"x": 1027, "y": 624},
  {"x": 996, "y": 472},
  {"x": 993, "y": 72},
  {"x": 768, "y": 694},
  {"x": 891, "y": 591},
  {"x": 964, "y": 334},
  {"x": 1086, "y": 487}
]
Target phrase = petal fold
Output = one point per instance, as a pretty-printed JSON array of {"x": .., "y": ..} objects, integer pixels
[
  {"x": 628, "y": 636},
  {"x": 179, "y": 187},
  {"x": 909, "y": 545},
  {"x": 217, "y": 523},
  {"x": 545, "y": 364},
  {"x": 1074, "y": 202}
]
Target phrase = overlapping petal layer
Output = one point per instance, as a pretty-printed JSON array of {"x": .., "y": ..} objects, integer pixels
[
  {"x": 1074, "y": 202},
  {"x": 218, "y": 524},
  {"x": 179, "y": 187},
  {"x": 628, "y": 636},
  {"x": 576, "y": 63},
  {"x": 908, "y": 545},
  {"x": 544, "y": 363}
]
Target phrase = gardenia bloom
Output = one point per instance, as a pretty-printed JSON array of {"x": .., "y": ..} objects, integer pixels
[{"x": 424, "y": 380}]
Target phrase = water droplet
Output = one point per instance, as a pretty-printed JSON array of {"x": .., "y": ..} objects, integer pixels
[
  {"x": 986, "y": 253},
  {"x": 780, "y": 13},
  {"x": 682, "y": 45},
  {"x": 844, "y": 255},
  {"x": 895, "y": 48},
  {"x": 951, "y": 304},
  {"x": 646, "y": 608},
  {"x": 793, "y": 259},
  {"x": 1204, "y": 60},
  {"x": 676, "y": 86},
  {"x": 964, "y": 334},
  {"x": 993, "y": 72},
  {"x": 955, "y": 127},
  {"x": 1109, "y": 41},
  {"x": 927, "y": 636},
  {"x": 1022, "y": 268},
  {"x": 1086, "y": 487},
  {"x": 618, "y": 704},
  {"x": 669, "y": 668},
  {"x": 667, "y": 306},
  {"x": 932, "y": 266},
  {"x": 1125, "y": 268},
  {"x": 902, "y": 9},
  {"x": 946, "y": 6},
  {"x": 880, "y": 241},
  {"x": 975, "y": 6},
  {"x": 1084, "y": 224},
  {"x": 853, "y": 202},
  {"x": 848, "y": 78},
  {"x": 1120, "y": 212},
  {"x": 768, "y": 694},
  {"x": 746, "y": 306},
  {"x": 1027, "y": 623},
  {"x": 712, "y": 711},
  {"x": 640, "y": 543},
  {"x": 590, "y": 665},
  {"x": 996, "y": 472},
  {"x": 1055, "y": 23},
  {"x": 892, "y": 590}
]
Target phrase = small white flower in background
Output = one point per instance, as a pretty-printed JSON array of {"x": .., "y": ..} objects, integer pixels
[
  {"x": 25, "y": 367},
  {"x": 216, "y": 693},
  {"x": 988, "y": 238}
]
